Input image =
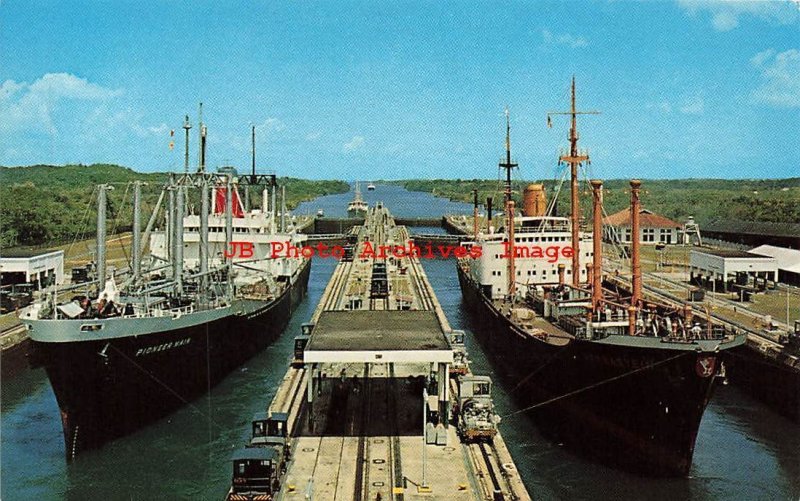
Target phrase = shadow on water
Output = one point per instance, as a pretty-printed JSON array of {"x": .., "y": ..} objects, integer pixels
[
  {"x": 743, "y": 451},
  {"x": 183, "y": 456}
]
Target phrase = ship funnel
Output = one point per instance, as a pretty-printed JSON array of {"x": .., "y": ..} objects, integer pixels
[{"x": 534, "y": 202}]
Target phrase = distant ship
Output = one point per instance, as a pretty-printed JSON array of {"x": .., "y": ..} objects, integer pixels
[
  {"x": 357, "y": 208},
  {"x": 320, "y": 213},
  {"x": 611, "y": 374},
  {"x": 370, "y": 187},
  {"x": 123, "y": 351}
]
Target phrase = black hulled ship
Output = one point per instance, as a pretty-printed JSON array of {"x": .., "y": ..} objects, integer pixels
[
  {"x": 126, "y": 349},
  {"x": 614, "y": 375}
]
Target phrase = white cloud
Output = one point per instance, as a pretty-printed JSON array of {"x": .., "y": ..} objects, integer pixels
[
  {"x": 727, "y": 14},
  {"x": 564, "y": 39},
  {"x": 762, "y": 56},
  {"x": 354, "y": 144},
  {"x": 693, "y": 106},
  {"x": 272, "y": 124},
  {"x": 158, "y": 129},
  {"x": 663, "y": 106},
  {"x": 31, "y": 106},
  {"x": 780, "y": 85}
]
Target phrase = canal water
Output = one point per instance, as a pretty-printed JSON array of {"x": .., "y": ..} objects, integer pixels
[
  {"x": 396, "y": 198},
  {"x": 744, "y": 450}
]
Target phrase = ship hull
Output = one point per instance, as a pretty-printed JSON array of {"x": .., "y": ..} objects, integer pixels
[
  {"x": 588, "y": 396},
  {"x": 770, "y": 380},
  {"x": 108, "y": 388}
]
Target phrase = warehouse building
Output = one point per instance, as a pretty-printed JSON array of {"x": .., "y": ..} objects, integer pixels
[
  {"x": 754, "y": 233},
  {"x": 726, "y": 270},
  {"x": 35, "y": 267},
  {"x": 788, "y": 262}
]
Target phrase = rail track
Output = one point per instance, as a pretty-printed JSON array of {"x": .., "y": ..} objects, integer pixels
[
  {"x": 490, "y": 472},
  {"x": 362, "y": 473}
]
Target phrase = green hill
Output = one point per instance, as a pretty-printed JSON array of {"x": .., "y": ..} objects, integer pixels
[
  {"x": 48, "y": 204},
  {"x": 767, "y": 200}
]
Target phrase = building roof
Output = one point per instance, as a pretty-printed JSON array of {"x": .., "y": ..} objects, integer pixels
[
  {"x": 754, "y": 228},
  {"x": 730, "y": 253},
  {"x": 647, "y": 219},
  {"x": 27, "y": 253},
  {"x": 368, "y": 330},
  {"x": 788, "y": 259}
]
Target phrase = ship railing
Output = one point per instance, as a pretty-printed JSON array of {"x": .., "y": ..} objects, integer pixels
[
  {"x": 156, "y": 310},
  {"x": 718, "y": 332}
]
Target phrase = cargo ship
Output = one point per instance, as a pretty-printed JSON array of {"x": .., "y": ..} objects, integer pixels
[
  {"x": 357, "y": 208},
  {"x": 124, "y": 350},
  {"x": 616, "y": 376}
]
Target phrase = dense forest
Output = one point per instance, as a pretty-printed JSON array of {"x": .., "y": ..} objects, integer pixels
[
  {"x": 767, "y": 200},
  {"x": 47, "y": 204}
]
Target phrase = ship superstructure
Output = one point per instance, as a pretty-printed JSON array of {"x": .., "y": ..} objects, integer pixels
[{"x": 357, "y": 207}]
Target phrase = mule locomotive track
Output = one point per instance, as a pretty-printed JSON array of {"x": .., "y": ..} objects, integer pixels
[{"x": 370, "y": 371}]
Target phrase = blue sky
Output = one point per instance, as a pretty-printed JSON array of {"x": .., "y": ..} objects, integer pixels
[{"x": 363, "y": 90}]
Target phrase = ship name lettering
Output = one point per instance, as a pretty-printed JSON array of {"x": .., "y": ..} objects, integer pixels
[{"x": 163, "y": 346}]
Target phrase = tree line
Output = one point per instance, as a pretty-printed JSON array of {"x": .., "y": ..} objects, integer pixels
[
  {"x": 707, "y": 200},
  {"x": 49, "y": 204}
]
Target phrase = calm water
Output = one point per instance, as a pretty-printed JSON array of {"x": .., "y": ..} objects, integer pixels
[
  {"x": 744, "y": 451},
  {"x": 394, "y": 197}
]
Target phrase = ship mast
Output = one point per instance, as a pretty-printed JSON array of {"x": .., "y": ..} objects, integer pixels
[
  {"x": 229, "y": 232},
  {"x": 178, "y": 257},
  {"x": 475, "y": 214},
  {"x": 203, "y": 254},
  {"x": 253, "y": 151},
  {"x": 574, "y": 159},
  {"x": 169, "y": 216},
  {"x": 508, "y": 165},
  {"x": 101, "y": 238},
  {"x": 274, "y": 210},
  {"x": 136, "y": 251},
  {"x": 186, "y": 127},
  {"x": 283, "y": 209},
  {"x": 202, "y": 160}
]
